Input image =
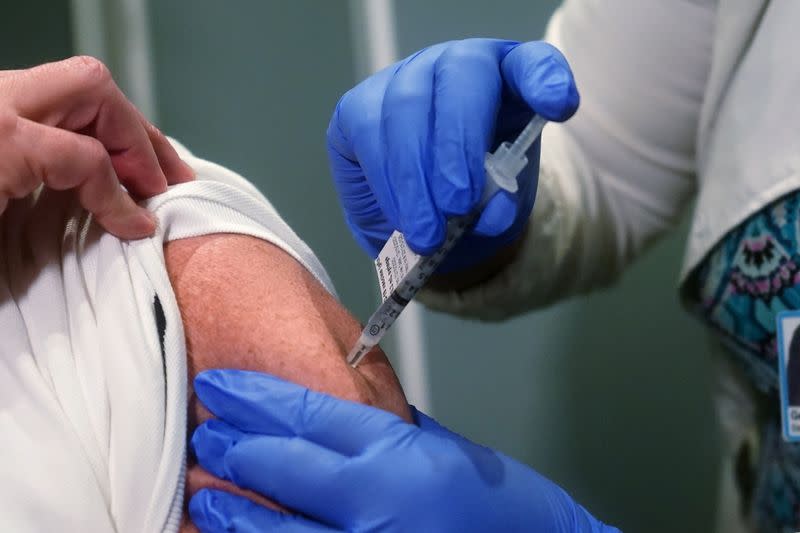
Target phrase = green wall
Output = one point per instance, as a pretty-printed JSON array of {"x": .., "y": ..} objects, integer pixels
[{"x": 33, "y": 32}]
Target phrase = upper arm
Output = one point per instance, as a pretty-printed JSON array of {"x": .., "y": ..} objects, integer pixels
[{"x": 247, "y": 304}]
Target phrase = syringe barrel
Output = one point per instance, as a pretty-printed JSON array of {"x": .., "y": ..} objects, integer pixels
[{"x": 502, "y": 169}]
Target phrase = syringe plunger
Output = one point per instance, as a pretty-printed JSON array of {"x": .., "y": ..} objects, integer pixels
[{"x": 505, "y": 164}]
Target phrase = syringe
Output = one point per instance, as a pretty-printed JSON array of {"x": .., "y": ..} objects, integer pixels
[{"x": 407, "y": 272}]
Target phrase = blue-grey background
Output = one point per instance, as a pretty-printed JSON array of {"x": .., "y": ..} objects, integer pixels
[{"x": 608, "y": 394}]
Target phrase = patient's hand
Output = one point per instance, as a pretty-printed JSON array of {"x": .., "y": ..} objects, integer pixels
[{"x": 247, "y": 304}]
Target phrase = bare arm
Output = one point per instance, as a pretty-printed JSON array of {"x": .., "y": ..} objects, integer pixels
[{"x": 247, "y": 304}]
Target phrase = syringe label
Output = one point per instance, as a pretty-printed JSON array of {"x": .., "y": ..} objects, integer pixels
[{"x": 393, "y": 263}]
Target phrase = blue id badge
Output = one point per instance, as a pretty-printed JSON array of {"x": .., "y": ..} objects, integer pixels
[{"x": 789, "y": 370}]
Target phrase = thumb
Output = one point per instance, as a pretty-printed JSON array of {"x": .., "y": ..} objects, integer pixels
[{"x": 538, "y": 74}]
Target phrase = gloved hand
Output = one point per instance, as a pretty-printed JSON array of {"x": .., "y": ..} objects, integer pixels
[
  {"x": 349, "y": 467},
  {"x": 407, "y": 145}
]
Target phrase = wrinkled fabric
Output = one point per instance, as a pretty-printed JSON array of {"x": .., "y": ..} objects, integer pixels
[{"x": 93, "y": 355}]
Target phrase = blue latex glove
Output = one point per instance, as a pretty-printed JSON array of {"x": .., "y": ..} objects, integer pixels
[
  {"x": 349, "y": 467},
  {"x": 407, "y": 145}
]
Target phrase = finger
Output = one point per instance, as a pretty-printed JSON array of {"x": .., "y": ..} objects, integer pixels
[
  {"x": 506, "y": 213},
  {"x": 64, "y": 160},
  {"x": 175, "y": 169},
  {"x": 406, "y": 127},
  {"x": 211, "y": 441},
  {"x": 259, "y": 403},
  {"x": 79, "y": 94},
  {"x": 498, "y": 215},
  {"x": 52, "y": 93},
  {"x": 352, "y": 132},
  {"x": 354, "y": 137},
  {"x": 17, "y": 179},
  {"x": 213, "y": 511},
  {"x": 360, "y": 204},
  {"x": 357, "y": 197},
  {"x": 539, "y": 74},
  {"x": 118, "y": 127},
  {"x": 271, "y": 466},
  {"x": 466, "y": 101}
]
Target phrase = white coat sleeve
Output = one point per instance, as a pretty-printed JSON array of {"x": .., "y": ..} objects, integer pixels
[{"x": 619, "y": 173}]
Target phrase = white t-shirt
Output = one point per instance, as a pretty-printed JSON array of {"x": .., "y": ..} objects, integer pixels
[{"x": 93, "y": 356}]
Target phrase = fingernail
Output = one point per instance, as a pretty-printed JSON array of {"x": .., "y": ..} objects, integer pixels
[
  {"x": 222, "y": 390},
  {"x": 188, "y": 172},
  {"x": 498, "y": 216},
  {"x": 137, "y": 224},
  {"x": 208, "y": 382},
  {"x": 163, "y": 183},
  {"x": 211, "y": 387},
  {"x": 145, "y": 221},
  {"x": 210, "y": 444},
  {"x": 204, "y": 510}
]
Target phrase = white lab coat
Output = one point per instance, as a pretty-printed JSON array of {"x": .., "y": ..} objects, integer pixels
[{"x": 679, "y": 100}]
